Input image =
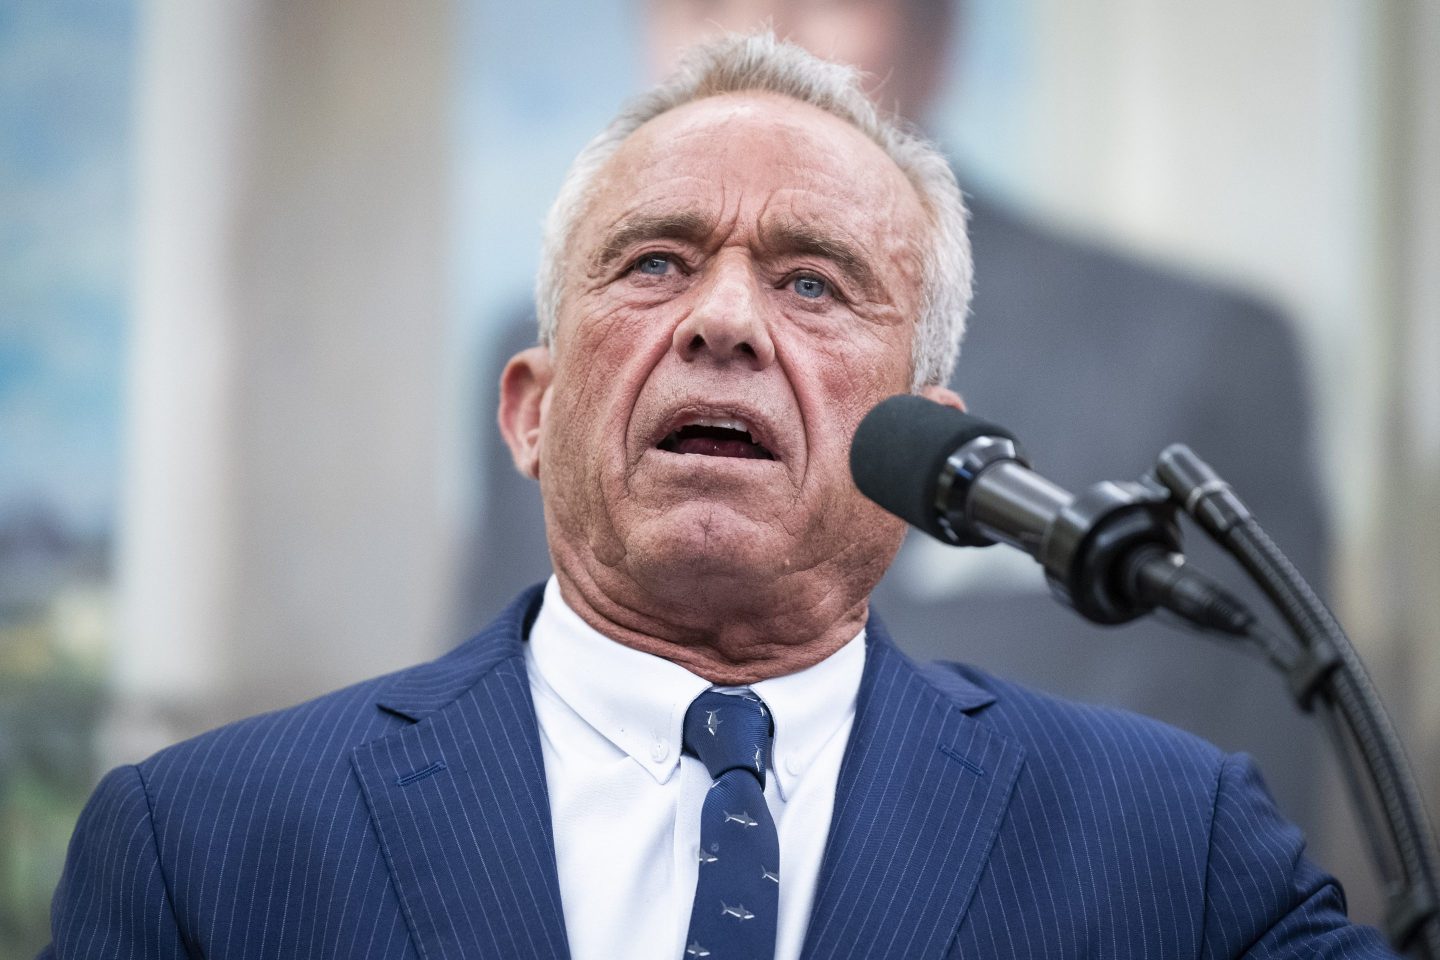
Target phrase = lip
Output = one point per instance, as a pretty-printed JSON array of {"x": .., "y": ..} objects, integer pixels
[{"x": 760, "y": 425}]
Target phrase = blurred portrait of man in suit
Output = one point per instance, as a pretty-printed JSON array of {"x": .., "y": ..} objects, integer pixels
[
  {"x": 1097, "y": 359},
  {"x": 696, "y": 739}
]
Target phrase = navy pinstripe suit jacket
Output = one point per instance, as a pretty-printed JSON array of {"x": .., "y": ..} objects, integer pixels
[{"x": 407, "y": 817}]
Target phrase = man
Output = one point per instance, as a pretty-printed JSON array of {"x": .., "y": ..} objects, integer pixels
[
  {"x": 696, "y": 742},
  {"x": 1098, "y": 361}
]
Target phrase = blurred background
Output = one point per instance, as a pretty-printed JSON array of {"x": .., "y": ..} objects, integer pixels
[{"x": 258, "y": 259}]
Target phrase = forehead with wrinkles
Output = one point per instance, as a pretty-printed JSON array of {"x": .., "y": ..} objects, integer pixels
[{"x": 784, "y": 174}]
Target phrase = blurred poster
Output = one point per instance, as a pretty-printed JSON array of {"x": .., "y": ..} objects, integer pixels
[{"x": 65, "y": 169}]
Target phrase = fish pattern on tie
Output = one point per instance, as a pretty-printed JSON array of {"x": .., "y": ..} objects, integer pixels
[{"x": 737, "y": 893}]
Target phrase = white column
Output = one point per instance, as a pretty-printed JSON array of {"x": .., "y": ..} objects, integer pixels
[
  {"x": 174, "y": 556},
  {"x": 1401, "y": 558},
  {"x": 283, "y": 529}
]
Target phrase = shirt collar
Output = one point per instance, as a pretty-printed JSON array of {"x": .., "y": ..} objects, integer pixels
[
  {"x": 810, "y": 708},
  {"x": 637, "y": 700}
]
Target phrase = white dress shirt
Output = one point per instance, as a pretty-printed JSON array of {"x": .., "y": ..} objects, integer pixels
[{"x": 626, "y": 804}]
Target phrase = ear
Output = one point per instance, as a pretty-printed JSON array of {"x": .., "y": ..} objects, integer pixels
[
  {"x": 943, "y": 395},
  {"x": 524, "y": 400}
]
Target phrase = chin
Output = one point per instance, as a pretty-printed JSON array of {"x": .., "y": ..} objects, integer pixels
[{"x": 701, "y": 544}]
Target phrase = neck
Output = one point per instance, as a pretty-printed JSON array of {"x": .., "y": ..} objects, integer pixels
[{"x": 725, "y": 632}]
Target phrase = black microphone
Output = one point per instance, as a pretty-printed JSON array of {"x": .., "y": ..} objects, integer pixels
[{"x": 1112, "y": 552}]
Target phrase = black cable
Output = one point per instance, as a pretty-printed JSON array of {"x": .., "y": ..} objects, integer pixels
[
  {"x": 1327, "y": 668},
  {"x": 1288, "y": 657},
  {"x": 1413, "y": 903}
]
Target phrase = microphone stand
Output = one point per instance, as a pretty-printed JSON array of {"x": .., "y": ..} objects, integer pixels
[
  {"x": 1112, "y": 553},
  {"x": 1323, "y": 670}
]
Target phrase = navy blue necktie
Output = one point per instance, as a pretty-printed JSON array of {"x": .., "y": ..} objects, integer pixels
[{"x": 737, "y": 896}]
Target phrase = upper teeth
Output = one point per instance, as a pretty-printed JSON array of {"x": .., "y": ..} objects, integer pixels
[{"x": 726, "y": 423}]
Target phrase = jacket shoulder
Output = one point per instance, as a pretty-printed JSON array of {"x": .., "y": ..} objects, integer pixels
[
  {"x": 327, "y": 726},
  {"x": 1060, "y": 735}
]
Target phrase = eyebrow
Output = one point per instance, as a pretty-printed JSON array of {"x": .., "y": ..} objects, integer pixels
[
  {"x": 689, "y": 227},
  {"x": 793, "y": 237},
  {"x": 786, "y": 236}
]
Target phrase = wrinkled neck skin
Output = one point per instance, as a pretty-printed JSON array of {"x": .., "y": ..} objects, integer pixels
[{"x": 732, "y": 629}]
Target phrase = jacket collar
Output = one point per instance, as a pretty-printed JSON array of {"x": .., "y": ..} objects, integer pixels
[
  {"x": 459, "y": 803},
  {"x": 419, "y": 691},
  {"x": 923, "y": 790}
]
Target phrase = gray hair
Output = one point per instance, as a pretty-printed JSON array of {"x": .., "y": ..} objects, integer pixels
[{"x": 759, "y": 63}]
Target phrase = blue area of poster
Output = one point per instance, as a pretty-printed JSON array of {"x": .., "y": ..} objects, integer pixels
[
  {"x": 66, "y": 130},
  {"x": 65, "y": 170}
]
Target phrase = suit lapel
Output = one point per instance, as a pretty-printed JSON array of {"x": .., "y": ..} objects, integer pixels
[
  {"x": 923, "y": 789},
  {"x": 459, "y": 802}
]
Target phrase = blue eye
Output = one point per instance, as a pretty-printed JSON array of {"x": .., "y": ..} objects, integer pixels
[
  {"x": 810, "y": 287},
  {"x": 654, "y": 264}
]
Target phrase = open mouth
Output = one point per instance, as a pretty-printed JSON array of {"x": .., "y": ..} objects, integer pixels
[{"x": 715, "y": 438}]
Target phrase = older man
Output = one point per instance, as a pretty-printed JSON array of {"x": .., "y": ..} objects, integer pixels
[
  {"x": 695, "y": 741},
  {"x": 1054, "y": 318}
]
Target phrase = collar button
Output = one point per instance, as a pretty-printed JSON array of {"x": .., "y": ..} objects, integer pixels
[
  {"x": 794, "y": 767},
  {"x": 659, "y": 750}
]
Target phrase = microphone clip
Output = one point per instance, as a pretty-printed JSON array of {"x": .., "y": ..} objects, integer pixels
[{"x": 1100, "y": 551}]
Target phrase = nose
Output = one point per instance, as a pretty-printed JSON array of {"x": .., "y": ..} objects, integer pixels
[{"x": 727, "y": 324}]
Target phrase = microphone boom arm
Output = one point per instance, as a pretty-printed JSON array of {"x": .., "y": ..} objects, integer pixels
[
  {"x": 1112, "y": 552},
  {"x": 1324, "y": 669}
]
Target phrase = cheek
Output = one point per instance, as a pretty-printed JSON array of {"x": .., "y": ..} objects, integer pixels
[
  {"x": 615, "y": 321},
  {"x": 602, "y": 360},
  {"x": 857, "y": 372},
  {"x": 845, "y": 381}
]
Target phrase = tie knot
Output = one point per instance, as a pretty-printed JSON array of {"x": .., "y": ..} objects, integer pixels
[{"x": 729, "y": 731}]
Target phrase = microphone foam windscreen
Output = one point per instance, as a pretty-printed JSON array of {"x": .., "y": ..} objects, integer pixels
[{"x": 899, "y": 453}]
